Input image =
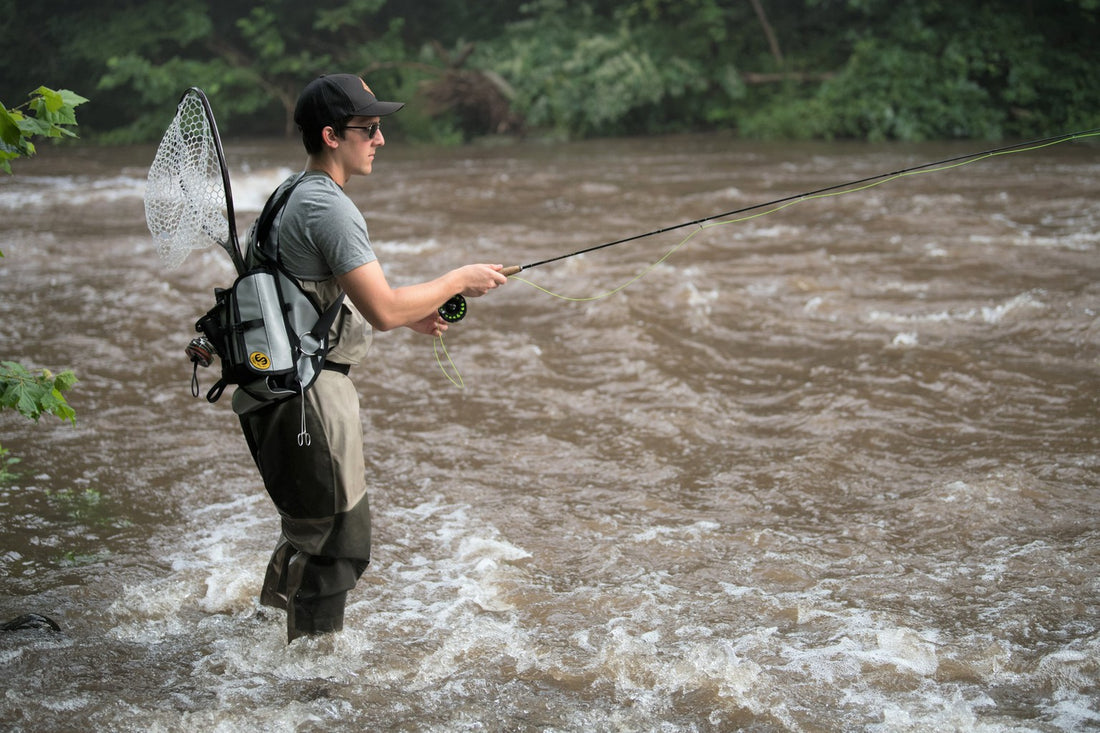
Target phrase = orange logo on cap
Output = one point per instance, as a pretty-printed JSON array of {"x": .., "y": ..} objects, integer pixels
[{"x": 367, "y": 88}]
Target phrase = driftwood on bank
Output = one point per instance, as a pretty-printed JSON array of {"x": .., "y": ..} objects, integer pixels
[{"x": 481, "y": 99}]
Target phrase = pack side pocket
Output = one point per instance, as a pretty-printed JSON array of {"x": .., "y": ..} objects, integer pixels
[{"x": 264, "y": 344}]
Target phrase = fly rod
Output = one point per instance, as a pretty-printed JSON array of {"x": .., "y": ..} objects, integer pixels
[
  {"x": 455, "y": 309},
  {"x": 947, "y": 162}
]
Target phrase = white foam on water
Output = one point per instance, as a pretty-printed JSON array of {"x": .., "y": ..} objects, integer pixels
[
  {"x": 1074, "y": 711},
  {"x": 252, "y": 187},
  {"x": 773, "y": 231},
  {"x": 394, "y": 248},
  {"x": 213, "y": 571},
  {"x": 47, "y": 191},
  {"x": 449, "y": 605},
  {"x": 453, "y": 614},
  {"x": 1077, "y": 240},
  {"x": 693, "y": 531},
  {"x": 906, "y": 339},
  {"x": 907, "y": 650},
  {"x": 288, "y": 716},
  {"x": 997, "y": 313},
  {"x": 990, "y": 314}
]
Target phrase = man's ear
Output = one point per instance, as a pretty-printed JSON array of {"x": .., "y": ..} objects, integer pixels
[{"x": 329, "y": 137}]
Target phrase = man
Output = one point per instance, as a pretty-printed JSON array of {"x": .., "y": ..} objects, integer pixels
[{"x": 320, "y": 488}]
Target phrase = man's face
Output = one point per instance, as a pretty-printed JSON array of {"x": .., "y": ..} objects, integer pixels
[{"x": 362, "y": 137}]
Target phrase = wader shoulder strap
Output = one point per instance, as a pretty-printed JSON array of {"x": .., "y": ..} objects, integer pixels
[{"x": 263, "y": 229}]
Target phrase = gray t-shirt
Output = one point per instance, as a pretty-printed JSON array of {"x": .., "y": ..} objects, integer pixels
[{"x": 321, "y": 232}]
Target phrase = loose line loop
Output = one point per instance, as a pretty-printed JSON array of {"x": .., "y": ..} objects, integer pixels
[{"x": 456, "y": 380}]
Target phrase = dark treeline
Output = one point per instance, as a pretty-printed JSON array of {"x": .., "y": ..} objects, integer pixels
[{"x": 866, "y": 69}]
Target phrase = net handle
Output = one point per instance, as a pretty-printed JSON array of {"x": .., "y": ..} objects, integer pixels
[{"x": 232, "y": 246}]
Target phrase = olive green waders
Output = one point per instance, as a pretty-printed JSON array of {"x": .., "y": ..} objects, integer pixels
[{"x": 319, "y": 489}]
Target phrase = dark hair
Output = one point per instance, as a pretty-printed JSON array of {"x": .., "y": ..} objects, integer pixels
[{"x": 312, "y": 140}]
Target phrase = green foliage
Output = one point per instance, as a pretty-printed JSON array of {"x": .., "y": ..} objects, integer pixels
[
  {"x": 47, "y": 113},
  {"x": 33, "y": 394},
  {"x": 876, "y": 99},
  {"x": 583, "y": 85},
  {"x": 939, "y": 70},
  {"x": 872, "y": 69},
  {"x": 579, "y": 73},
  {"x": 252, "y": 60},
  {"x": 348, "y": 15}
]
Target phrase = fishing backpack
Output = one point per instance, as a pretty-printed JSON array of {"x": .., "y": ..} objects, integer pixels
[{"x": 269, "y": 334}]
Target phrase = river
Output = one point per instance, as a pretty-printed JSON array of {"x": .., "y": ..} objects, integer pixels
[{"x": 831, "y": 468}]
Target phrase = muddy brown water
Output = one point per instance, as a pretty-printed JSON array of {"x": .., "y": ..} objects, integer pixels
[{"x": 836, "y": 467}]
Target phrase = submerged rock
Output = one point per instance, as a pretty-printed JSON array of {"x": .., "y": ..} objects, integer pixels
[{"x": 30, "y": 621}]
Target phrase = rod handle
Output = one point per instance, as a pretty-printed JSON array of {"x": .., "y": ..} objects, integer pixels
[{"x": 511, "y": 270}]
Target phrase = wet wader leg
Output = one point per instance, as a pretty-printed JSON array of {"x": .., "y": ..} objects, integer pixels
[
  {"x": 317, "y": 589},
  {"x": 274, "y": 589},
  {"x": 319, "y": 577}
]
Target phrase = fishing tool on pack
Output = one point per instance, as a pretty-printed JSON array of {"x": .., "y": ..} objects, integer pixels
[{"x": 201, "y": 353}]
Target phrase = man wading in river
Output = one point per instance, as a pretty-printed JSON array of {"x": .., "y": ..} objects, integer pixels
[{"x": 320, "y": 488}]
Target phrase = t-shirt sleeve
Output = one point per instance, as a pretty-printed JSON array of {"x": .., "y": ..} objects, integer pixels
[
  {"x": 339, "y": 233},
  {"x": 325, "y": 234}
]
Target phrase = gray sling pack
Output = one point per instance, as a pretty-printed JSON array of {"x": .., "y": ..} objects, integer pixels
[{"x": 270, "y": 335}]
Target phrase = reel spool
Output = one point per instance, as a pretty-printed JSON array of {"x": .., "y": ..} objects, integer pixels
[
  {"x": 201, "y": 351},
  {"x": 454, "y": 310}
]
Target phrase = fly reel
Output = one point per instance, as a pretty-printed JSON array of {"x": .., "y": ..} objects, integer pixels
[{"x": 454, "y": 310}]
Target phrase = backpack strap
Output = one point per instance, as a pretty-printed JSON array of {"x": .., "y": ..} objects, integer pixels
[
  {"x": 263, "y": 230},
  {"x": 267, "y": 217},
  {"x": 313, "y": 340}
]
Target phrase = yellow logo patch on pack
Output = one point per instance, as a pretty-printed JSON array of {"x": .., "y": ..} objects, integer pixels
[{"x": 259, "y": 360}]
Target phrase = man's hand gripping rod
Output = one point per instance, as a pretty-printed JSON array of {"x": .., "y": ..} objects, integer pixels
[{"x": 454, "y": 310}]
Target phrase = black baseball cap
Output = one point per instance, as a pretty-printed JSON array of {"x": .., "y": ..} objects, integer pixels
[{"x": 331, "y": 98}]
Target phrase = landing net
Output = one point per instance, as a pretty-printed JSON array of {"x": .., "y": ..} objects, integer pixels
[{"x": 185, "y": 200}]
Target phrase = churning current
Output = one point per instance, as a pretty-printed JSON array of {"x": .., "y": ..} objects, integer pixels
[{"x": 835, "y": 467}]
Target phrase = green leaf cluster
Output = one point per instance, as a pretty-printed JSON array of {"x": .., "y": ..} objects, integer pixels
[
  {"x": 48, "y": 114},
  {"x": 33, "y": 394}
]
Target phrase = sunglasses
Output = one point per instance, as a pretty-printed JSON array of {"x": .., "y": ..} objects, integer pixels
[{"x": 372, "y": 129}]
